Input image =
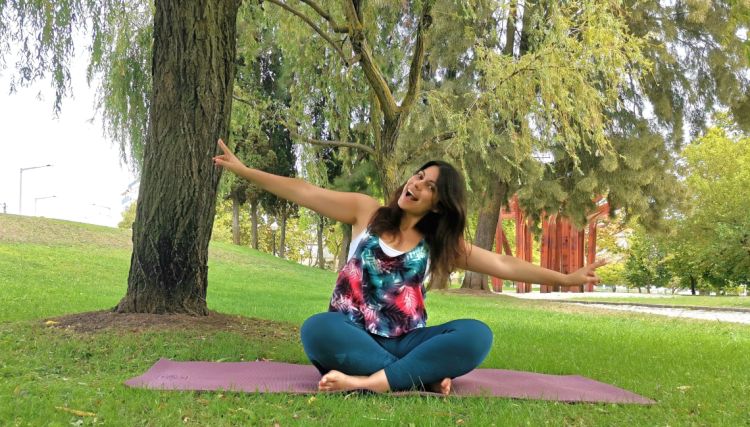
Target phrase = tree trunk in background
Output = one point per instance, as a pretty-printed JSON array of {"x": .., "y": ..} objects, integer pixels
[
  {"x": 345, "y": 243},
  {"x": 254, "y": 222},
  {"x": 235, "y": 221},
  {"x": 692, "y": 285},
  {"x": 191, "y": 101},
  {"x": 485, "y": 236},
  {"x": 282, "y": 239},
  {"x": 321, "y": 258},
  {"x": 488, "y": 215},
  {"x": 439, "y": 281}
]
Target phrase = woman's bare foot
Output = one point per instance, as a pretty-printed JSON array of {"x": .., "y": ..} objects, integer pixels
[
  {"x": 443, "y": 387},
  {"x": 339, "y": 381}
]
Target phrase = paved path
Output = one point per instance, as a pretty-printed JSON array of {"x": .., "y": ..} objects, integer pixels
[{"x": 721, "y": 314}]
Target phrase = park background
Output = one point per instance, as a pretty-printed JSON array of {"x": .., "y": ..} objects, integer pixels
[{"x": 645, "y": 103}]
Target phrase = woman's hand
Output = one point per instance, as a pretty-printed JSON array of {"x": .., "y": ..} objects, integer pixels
[
  {"x": 585, "y": 275},
  {"x": 228, "y": 160}
]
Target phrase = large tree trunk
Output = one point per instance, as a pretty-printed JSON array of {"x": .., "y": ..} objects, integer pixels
[
  {"x": 385, "y": 157},
  {"x": 346, "y": 241},
  {"x": 485, "y": 237},
  {"x": 254, "y": 222},
  {"x": 282, "y": 239},
  {"x": 235, "y": 221},
  {"x": 193, "y": 73}
]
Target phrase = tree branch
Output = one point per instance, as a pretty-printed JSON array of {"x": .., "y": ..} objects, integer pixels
[
  {"x": 445, "y": 136},
  {"x": 417, "y": 60},
  {"x": 359, "y": 43},
  {"x": 313, "y": 26},
  {"x": 337, "y": 28},
  {"x": 244, "y": 101},
  {"x": 312, "y": 141},
  {"x": 442, "y": 137}
]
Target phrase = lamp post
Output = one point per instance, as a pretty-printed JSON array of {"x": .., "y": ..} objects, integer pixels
[
  {"x": 274, "y": 227},
  {"x": 20, "y": 186},
  {"x": 36, "y": 199}
]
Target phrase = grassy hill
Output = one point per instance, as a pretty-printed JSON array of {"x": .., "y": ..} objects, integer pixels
[{"x": 48, "y": 268}]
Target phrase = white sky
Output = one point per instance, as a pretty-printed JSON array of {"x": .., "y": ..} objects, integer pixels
[{"x": 86, "y": 177}]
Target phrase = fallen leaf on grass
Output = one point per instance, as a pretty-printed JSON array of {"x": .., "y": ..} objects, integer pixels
[
  {"x": 684, "y": 387},
  {"x": 311, "y": 400},
  {"x": 51, "y": 323},
  {"x": 76, "y": 412}
]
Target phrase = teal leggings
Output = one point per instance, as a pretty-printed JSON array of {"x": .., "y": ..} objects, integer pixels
[{"x": 421, "y": 357}]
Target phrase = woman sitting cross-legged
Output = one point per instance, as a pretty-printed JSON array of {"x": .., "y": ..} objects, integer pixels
[{"x": 374, "y": 335}]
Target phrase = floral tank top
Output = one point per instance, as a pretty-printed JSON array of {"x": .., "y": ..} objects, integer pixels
[{"x": 384, "y": 294}]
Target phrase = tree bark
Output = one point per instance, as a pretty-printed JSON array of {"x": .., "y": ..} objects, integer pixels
[
  {"x": 235, "y": 221},
  {"x": 485, "y": 237},
  {"x": 321, "y": 257},
  {"x": 385, "y": 156},
  {"x": 346, "y": 241},
  {"x": 282, "y": 239},
  {"x": 193, "y": 73},
  {"x": 254, "y": 222},
  {"x": 439, "y": 281}
]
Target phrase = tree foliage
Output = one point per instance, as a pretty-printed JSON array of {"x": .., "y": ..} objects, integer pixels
[
  {"x": 43, "y": 36},
  {"x": 128, "y": 217},
  {"x": 715, "y": 228},
  {"x": 706, "y": 244},
  {"x": 645, "y": 266}
]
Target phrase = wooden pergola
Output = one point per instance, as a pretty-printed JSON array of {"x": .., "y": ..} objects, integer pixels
[{"x": 563, "y": 245}]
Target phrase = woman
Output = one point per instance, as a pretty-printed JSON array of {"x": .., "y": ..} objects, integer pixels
[{"x": 374, "y": 336}]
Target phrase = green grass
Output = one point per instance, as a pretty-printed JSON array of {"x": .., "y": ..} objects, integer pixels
[
  {"x": 678, "y": 300},
  {"x": 696, "y": 370}
]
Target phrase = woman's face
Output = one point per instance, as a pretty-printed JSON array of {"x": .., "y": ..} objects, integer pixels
[{"x": 420, "y": 192}]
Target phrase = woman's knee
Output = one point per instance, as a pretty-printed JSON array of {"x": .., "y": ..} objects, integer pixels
[
  {"x": 476, "y": 337},
  {"x": 319, "y": 326}
]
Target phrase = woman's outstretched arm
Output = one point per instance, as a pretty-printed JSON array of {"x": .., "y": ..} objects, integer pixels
[
  {"x": 511, "y": 268},
  {"x": 350, "y": 208}
]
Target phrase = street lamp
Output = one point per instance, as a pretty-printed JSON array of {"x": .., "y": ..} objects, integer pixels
[
  {"x": 20, "y": 185},
  {"x": 274, "y": 227},
  {"x": 36, "y": 199}
]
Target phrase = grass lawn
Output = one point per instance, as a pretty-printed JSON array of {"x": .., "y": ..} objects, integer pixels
[
  {"x": 696, "y": 370},
  {"x": 678, "y": 300}
]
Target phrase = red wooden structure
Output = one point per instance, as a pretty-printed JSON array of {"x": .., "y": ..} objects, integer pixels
[{"x": 562, "y": 245}]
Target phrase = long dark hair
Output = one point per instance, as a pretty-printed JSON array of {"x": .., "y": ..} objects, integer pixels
[{"x": 442, "y": 229}]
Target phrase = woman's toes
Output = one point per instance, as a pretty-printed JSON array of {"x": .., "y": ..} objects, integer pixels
[{"x": 445, "y": 386}]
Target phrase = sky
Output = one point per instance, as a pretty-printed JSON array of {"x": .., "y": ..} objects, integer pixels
[{"x": 87, "y": 178}]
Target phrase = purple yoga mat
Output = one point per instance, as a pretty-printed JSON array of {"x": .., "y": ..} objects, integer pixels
[{"x": 274, "y": 377}]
